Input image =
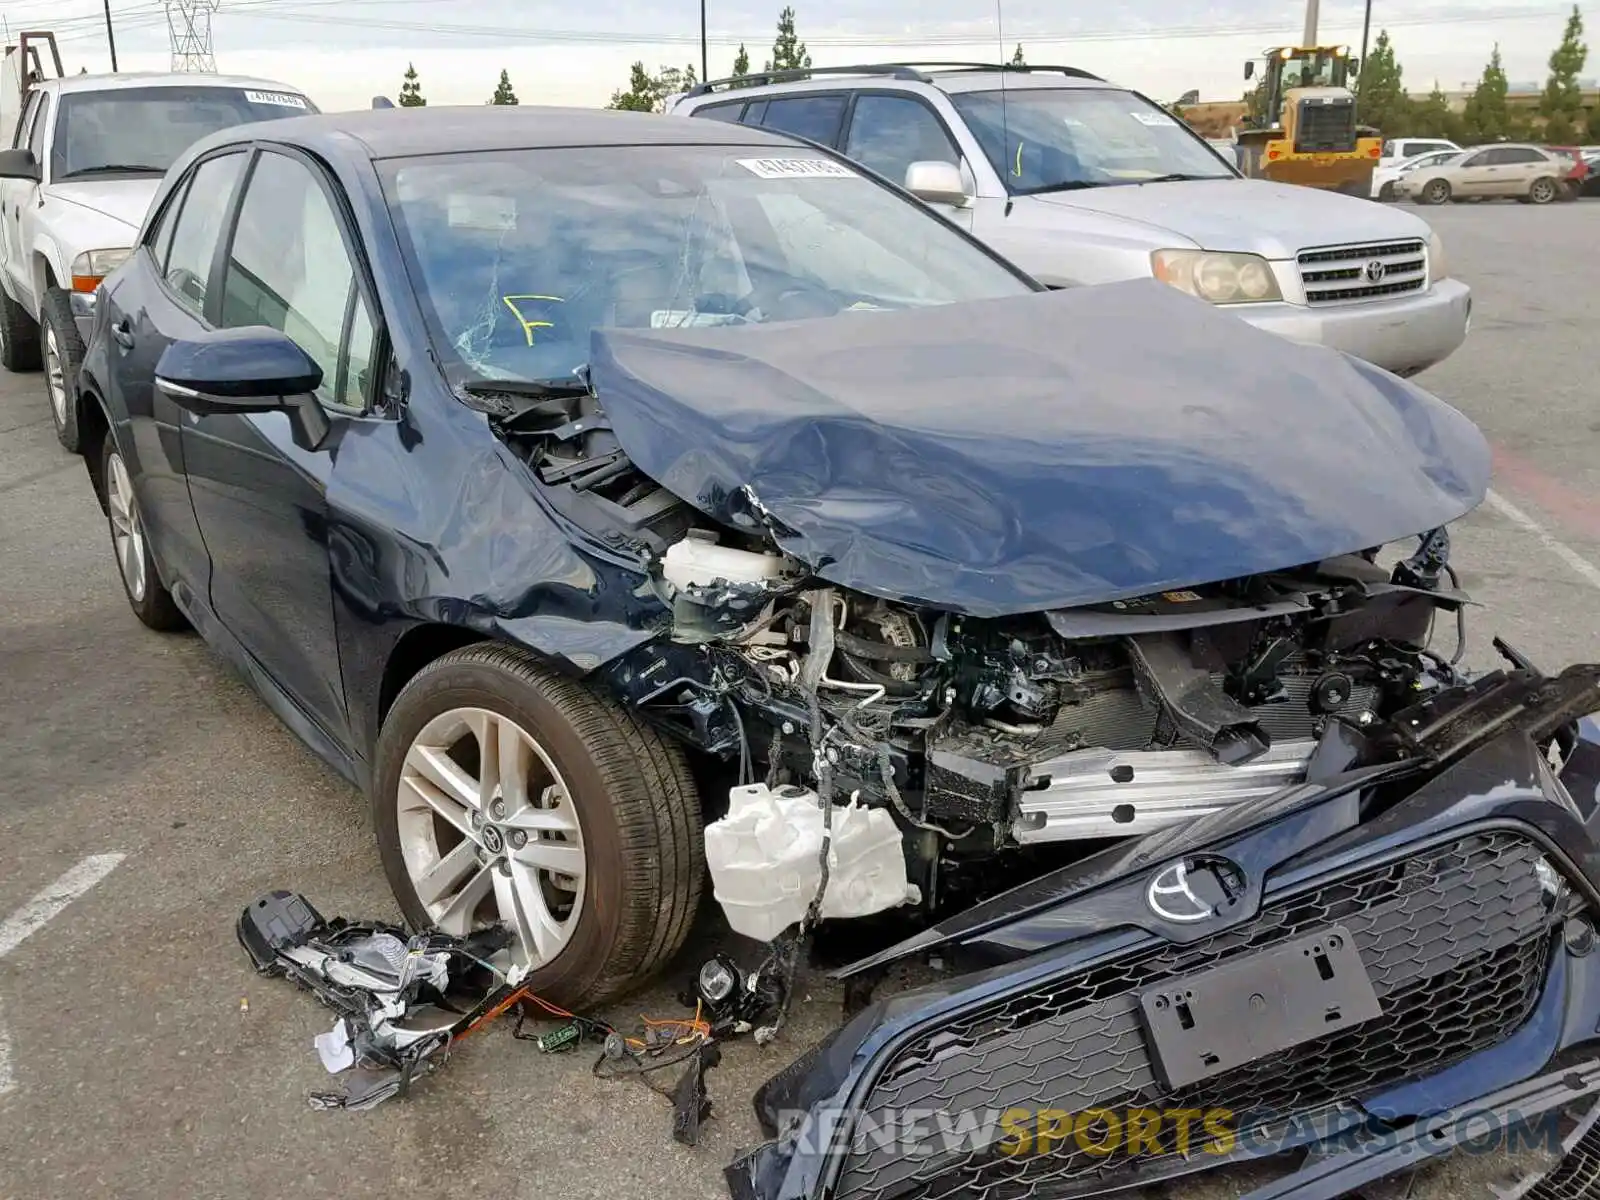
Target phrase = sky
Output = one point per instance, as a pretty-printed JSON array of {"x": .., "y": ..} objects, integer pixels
[{"x": 344, "y": 52}]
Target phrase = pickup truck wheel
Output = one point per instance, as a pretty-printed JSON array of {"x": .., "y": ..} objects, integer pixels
[
  {"x": 504, "y": 793},
  {"x": 1435, "y": 191},
  {"x": 19, "y": 336},
  {"x": 1542, "y": 191},
  {"x": 63, "y": 355}
]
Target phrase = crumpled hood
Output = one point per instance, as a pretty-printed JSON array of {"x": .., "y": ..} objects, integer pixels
[
  {"x": 1038, "y": 452},
  {"x": 123, "y": 200},
  {"x": 1277, "y": 220}
]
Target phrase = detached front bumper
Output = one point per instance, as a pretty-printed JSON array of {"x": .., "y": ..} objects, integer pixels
[
  {"x": 1471, "y": 904},
  {"x": 1405, "y": 335}
]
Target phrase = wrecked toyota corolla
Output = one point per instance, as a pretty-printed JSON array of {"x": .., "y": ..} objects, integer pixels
[{"x": 659, "y": 494}]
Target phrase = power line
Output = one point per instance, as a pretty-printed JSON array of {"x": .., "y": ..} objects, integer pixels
[{"x": 189, "y": 26}]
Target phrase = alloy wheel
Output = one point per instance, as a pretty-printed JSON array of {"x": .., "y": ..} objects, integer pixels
[
  {"x": 55, "y": 376},
  {"x": 1542, "y": 191},
  {"x": 127, "y": 531},
  {"x": 489, "y": 833}
]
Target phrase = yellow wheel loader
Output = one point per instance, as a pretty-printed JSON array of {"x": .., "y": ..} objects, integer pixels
[{"x": 1302, "y": 126}]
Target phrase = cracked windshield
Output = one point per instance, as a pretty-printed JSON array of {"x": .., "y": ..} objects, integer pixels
[
  {"x": 518, "y": 255},
  {"x": 1062, "y": 139}
]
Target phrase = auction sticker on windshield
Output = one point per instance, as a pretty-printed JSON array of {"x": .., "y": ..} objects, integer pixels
[
  {"x": 285, "y": 99},
  {"x": 1151, "y": 118},
  {"x": 796, "y": 168}
]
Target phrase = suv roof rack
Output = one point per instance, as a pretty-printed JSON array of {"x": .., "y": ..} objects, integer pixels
[{"x": 914, "y": 72}]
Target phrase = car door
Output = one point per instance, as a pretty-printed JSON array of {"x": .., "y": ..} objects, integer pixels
[
  {"x": 1473, "y": 175},
  {"x": 160, "y": 298},
  {"x": 259, "y": 498},
  {"x": 1521, "y": 166},
  {"x": 19, "y": 197},
  {"x": 887, "y": 132}
]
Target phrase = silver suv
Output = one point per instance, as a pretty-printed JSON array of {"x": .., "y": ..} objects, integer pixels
[{"x": 1080, "y": 181}]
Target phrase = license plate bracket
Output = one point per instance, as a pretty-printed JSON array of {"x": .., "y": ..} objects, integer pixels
[{"x": 1212, "y": 1021}]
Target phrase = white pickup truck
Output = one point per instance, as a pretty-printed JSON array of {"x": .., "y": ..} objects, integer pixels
[{"x": 86, "y": 155}]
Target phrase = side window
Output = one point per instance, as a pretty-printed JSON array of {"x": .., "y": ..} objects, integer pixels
[
  {"x": 721, "y": 112},
  {"x": 1524, "y": 156},
  {"x": 288, "y": 269},
  {"x": 889, "y": 133},
  {"x": 19, "y": 136},
  {"x": 197, "y": 227},
  {"x": 41, "y": 123},
  {"x": 814, "y": 117},
  {"x": 160, "y": 238},
  {"x": 1480, "y": 159}
]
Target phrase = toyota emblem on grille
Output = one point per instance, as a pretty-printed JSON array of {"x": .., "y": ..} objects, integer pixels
[
  {"x": 1375, "y": 271},
  {"x": 1194, "y": 889}
]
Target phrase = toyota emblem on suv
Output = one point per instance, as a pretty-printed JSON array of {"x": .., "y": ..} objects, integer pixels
[
  {"x": 1375, "y": 271},
  {"x": 1194, "y": 889}
]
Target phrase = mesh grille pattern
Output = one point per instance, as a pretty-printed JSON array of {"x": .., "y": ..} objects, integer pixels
[{"x": 1455, "y": 941}]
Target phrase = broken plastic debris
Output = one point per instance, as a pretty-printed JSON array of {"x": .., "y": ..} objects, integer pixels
[{"x": 334, "y": 1048}]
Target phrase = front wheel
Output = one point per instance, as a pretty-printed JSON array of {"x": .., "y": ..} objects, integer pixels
[
  {"x": 1436, "y": 191},
  {"x": 63, "y": 356},
  {"x": 507, "y": 794},
  {"x": 1386, "y": 193},
  {"x": 150, "y": 601},
  {"x": 1542, "y": 191}
]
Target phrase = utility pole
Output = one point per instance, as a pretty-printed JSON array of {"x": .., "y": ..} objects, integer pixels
[
  {"x": 111, "y": 38},
  {"x": 705, "y": 67},
  {"x": 1310, "y": 38},
  {"x": 1366, "y": 28}
]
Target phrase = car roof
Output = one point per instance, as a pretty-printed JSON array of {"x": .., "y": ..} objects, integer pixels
[
  {"x": 951, "y": 81},
  {"x": 408, "y": 132},
  {"x": 148, "y": 79}
]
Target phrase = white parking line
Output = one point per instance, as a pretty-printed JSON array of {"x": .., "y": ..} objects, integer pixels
[
  {"x": 1561, "y": 550},
  {"x": 33, "y": 916}
]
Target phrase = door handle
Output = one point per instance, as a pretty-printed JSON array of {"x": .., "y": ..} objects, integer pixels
[{"x": 122, "y": 331}]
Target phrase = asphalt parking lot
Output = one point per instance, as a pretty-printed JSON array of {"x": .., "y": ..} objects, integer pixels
[{"x": 139, "y": 1055}]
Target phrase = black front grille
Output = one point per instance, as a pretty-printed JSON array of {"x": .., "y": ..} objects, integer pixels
[
  {"x": 1455, "y": 941},
  {"x": 1326, "y": 127}
]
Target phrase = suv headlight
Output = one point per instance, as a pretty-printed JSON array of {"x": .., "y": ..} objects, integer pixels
[
  {"x": 1221, "y": 278},
  {"x": 1438, "y": 265},
  {"x": 90, "y": 267}
]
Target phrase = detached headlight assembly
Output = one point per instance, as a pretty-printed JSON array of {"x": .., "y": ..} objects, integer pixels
[
  {"x": 90, "y": 267},
  {"x": 1438, "y": 266},
  {"x": 1221, "y": 278}
]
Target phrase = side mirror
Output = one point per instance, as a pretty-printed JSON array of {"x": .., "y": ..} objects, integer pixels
[
  {"x": 382, "y": 102},
  {"x": 1250, "y": 68},
  {"x": 252, "y": 370},
  {"x": 19, "y": 164},
  {"x": 936, "y": 183}
]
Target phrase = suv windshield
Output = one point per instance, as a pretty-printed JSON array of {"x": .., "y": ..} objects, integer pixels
[
  {"x": 1057, "y": 139},
  {"x": 144, "y": 130},
  {"x": 518, "y": 255}
]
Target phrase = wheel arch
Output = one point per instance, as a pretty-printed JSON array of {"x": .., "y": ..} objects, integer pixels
[
  {"x": 413, "y": 650},
  {"x": 94, "y": 427}
]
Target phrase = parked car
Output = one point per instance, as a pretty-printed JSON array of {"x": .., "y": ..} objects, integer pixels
[
  {"x": 1385, "y": 179},
  {"x": 1591, "y": 180},
  {"x": 1532, "y": 174},
  {"x": 1399, "y": 150},
  {"x": 557, "y": 475},
  {"x": 1080, "y": 181},
  {"x": 88, "y": 152}
]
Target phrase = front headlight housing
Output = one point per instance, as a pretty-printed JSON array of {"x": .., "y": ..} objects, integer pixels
[
  {"x": 1438, "y": 266},
  {"x": 1217, "y": 276},
  {"x": 90, "y": 267}
]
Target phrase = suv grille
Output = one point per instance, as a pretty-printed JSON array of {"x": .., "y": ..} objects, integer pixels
[
  {"x": 1326, "y": 127},
  {"x": 1336, "y": 274},
  {"x": 1455, "y": 941}
]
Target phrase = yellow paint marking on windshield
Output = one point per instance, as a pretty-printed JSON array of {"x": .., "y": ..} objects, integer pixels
[{"x": 528, "y": 326}]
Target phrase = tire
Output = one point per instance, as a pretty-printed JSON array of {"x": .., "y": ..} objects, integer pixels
[
  {"x": 1542, "y": 190},
  {"x": 1386, "y": 193},
  {"x": 63, "y": 356},
  {"x": 19, "y": 337},
  {"x": 630, "y": 793},
  {"x": 141, "y": 583},
  {"x": 1435, "y": 191}
]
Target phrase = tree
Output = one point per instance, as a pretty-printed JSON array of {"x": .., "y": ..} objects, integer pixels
[
  {"x": 1562, "y": 102},
  {"x": 670, "y": 81},
  {"x": 411, "y": 91},
  {"x": 1485, "y": 119},
  {"x": 503, "y": 94},
  {"x": 1381, "y": 99},
  {"x": 641, "y": 93},
  {"x": 741, "y": 62},
  {"x": 1016, "y": 59},
  {"x": 1594, "y": 123},
  {"x": 1433, "y": 118},
  {"x": 788, "y": 52}
]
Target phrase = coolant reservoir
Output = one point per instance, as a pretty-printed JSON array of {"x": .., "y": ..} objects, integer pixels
[
  {"x": 696, "y": 561},
  {"x": 764, "y": 858}
]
